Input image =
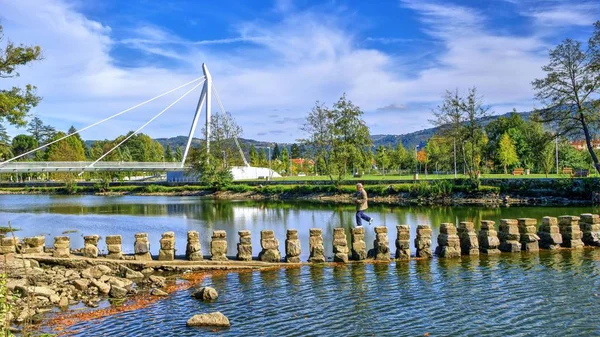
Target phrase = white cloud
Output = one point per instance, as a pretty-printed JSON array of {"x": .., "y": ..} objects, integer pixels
[
  {"x": 286, "y": 65},
  {"x": 583, "y": 13}
]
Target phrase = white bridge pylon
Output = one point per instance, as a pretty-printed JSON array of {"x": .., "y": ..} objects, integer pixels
[{"x": 208, "y": 90}]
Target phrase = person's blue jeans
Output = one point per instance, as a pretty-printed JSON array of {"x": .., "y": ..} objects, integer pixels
[{"x": 361, "y": 215}]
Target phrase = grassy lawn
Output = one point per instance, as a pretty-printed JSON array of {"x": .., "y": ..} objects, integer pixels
[{"x": 376, "y": 177}]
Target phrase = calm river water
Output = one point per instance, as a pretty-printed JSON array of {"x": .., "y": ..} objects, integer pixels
[{"x": 550, "y": 293}]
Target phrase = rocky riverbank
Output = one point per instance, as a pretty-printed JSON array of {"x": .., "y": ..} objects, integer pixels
[{"x": 38, "y": 285}]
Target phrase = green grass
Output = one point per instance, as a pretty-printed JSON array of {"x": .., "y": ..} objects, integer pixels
[{"x": 379, "y": 177}]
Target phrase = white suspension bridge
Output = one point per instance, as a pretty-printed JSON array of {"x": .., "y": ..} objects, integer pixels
[{"x": 208, "y": 90}]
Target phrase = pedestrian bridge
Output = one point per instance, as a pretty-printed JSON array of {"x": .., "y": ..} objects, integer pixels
[{"x": 84, "y": 166}]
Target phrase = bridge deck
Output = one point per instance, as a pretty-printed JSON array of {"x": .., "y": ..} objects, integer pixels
[{"x": 79, "y": 166}]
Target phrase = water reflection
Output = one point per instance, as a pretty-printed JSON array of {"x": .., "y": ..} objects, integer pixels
[{"x": 126, "y": 215}]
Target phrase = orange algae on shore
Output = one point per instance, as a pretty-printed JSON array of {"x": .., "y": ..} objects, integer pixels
[
  {"x": 65, "y": 320},
  {"x": 62, "y": 321}
]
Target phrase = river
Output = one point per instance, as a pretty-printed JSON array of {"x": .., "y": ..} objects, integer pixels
[{"x": 548, "y": 293}]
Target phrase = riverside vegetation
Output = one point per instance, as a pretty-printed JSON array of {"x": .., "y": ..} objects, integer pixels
[{"x": 445, "y": 191}]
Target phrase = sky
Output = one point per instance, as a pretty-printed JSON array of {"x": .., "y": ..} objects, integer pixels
[{"x": 271, "y": 61}]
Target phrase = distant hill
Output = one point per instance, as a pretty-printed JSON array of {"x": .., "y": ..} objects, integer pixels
[{"x": 408, "y": 140}]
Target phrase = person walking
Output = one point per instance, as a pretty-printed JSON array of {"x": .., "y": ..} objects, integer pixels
[{"x": 361, "y": 205}]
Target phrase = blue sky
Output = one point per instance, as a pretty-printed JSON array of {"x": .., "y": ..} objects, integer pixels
[{"x": 271, "y": 60}]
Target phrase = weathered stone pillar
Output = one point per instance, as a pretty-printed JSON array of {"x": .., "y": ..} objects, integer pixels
[
  {"x": 113, "y": 245},
  {"x": 403, "y": 242},
  {"x": 167, "y": 247},
  {"x": 244, "y": 247},
  {"x": 218, "y": 246},
  {"x": 549, "y": 233},
  {"x": 292, "y": 246},
  {"x": 270, "y": 247},
  {"x": 423, "y": 241},
  {"x": 359, "y": 247},
  {"x": 340, "y": 245},
  {"x": 193, "y": 250},
  {"x": 62, "y": 246},
  {"x": 488, "y": 238},
  {"x": 34, "y": 245},
  {"x": 529, "y": 238},
  {"x": 8, "y": 245},
  {"x": 141, "y": 247},
  {"x": 381, "y": 245},
  {"x": 90, "y": 246},
  {"x": 570, "y": 231},
  {"x": 590, "y": 226},
  {"x": 315, "y": 242},
  {"x": 448, "y": 241},
  {"x": 510, "y": 238},
  {"x": 469, "y": 245}
]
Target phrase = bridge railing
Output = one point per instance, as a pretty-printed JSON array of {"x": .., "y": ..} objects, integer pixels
[{"x": 66, "y": 166}]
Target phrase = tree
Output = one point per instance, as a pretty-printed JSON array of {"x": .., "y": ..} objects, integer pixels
[
  {"x": 546, "y": 158},
  {"x": 5, "y": 148},
  {"x": 382, "y": 158},
  {"x": 507, "y": 153},
  {"x": 276, "y": 153},
  {"x": 572, "y": 80},
  {"x": 168, "y": 154},
  {"x": 262, "y": 158},
  {"x": 285, "y": 159},
  {"x": 69, "y": 149},
  {"x": 22, "y": 144},
  {"x": 40, "y": 131},
  {"x": 214, "y": 167},
  {"x": 253, "y": 156},
  {"x": 16, "y": 102},
  {"x": 295, "y": 151},
  {"x": 459, "y": 117},
  {"x": 72, "y": 131},
  {"x": 339, "y": 136},
  {"x": 178, "y": 154}
]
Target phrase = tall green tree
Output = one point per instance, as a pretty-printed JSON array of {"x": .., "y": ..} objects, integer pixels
[
  {"x": 5, "y": 147},
  {"x": 168, "y": 154},
  {"x": 276, "y": 154},
  {"x": 507, "y": 152},
  {"x": 69, "y": 149},
  {"x": 295, "y": 151},
  {"x": 40, "y": 131},
  {"x": 546, "y": 158},
  {"x": 285, "y": 160},
  {"x": 459, "y": 118},
  {"x": 382, "y": 158},
  {"x": 22, "y": 144},
  {"x": 16, "y": 102},
  {"x": 570, "y": 89},
  {"x": 339, "y": 136},
  {"x": 253, "y": 156},
  {"x": 214, "y": 167}
]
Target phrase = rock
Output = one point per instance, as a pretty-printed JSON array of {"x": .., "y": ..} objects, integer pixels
[
  {"x": 158, "y": 281},
  {"x": 158, "y": 292},
  {"x": 64, "y": 302},
  {"x": 81, "y": 284},
  {"x": 36, "y": 291},
  {"x": 211, "y": 319},
  {"x": 55, "y": 299},
  {"x": 206, "y": 294},
  {"x": 131, "y": 274},
  {"x": 117, "y": 292},
  {"x": 102, "y": 287}
]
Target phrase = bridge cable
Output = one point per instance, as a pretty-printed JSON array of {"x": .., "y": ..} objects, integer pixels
[
  {"x": 104, "y": 120},
  {"x": 144, "y": 125},
  {"x": 234, "y": 137}
]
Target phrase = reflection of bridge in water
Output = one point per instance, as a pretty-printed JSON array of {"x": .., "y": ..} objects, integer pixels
[{"x": 208, "y": 90}]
